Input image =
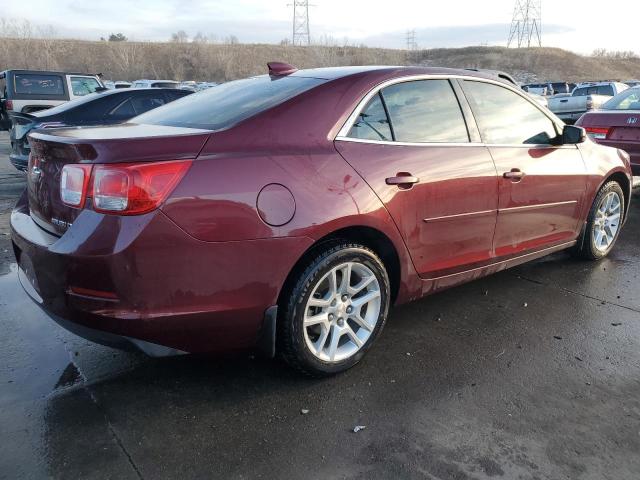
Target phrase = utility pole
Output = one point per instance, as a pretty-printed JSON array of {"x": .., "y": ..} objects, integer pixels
[
  {"x": 526, "y": 25},
  {"x": 301, "y": 34}
]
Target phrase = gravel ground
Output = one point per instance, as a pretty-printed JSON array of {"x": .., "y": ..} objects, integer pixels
[{"x": 529, "y": 374}]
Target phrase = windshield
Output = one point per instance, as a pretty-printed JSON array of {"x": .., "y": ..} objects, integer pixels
[
  {"x": 227, "y": 104},
  {"x": 627, "y": 100}
]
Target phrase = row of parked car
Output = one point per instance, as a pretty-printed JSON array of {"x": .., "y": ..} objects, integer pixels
[
  {"x": 187, "y": 85},
  {"x": 570, "y": 101},
  {"x": 44, "y": 100}
]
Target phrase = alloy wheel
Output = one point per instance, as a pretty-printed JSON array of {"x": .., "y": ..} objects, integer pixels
[
  {"x": 342, "y": 312},
  {"x": 607, "y": 221}
]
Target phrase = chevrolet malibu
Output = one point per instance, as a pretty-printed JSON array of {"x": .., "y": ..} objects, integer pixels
[{"x": 290, "y": 211}]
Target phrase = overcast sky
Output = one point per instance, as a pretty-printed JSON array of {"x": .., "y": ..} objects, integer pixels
[{"x": 580, "y": 26}]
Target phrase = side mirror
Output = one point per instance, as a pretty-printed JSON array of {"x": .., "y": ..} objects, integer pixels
[{"x": 572, "y": 135}]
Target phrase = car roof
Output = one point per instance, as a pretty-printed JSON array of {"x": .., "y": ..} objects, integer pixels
[
  {"x": 48, "y": 72},
  {"x": 333, "y": 73}
]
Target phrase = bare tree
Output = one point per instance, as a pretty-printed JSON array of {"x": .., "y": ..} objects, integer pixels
[{"x": 180, "y": 37}]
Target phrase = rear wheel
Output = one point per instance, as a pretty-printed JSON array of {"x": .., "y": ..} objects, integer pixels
[
  {"x": 604, "y": 223},
  {"x": 335, "y": 311}
]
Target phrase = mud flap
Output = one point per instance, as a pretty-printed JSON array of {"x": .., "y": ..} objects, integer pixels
[{"x": 267, "y": 337}]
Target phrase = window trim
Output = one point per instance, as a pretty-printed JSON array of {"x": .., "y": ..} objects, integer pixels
[{"x": 344, "y": 130}]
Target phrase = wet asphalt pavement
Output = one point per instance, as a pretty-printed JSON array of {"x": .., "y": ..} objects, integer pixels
[{"x": 533, "y": 373}]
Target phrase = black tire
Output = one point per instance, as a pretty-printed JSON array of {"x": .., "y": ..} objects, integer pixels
[
  {"x": 291, "y": 340},
  {"x": 586, "y": 247}
]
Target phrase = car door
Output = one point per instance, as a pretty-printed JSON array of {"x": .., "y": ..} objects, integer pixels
[
  {"x": 412, "y": 145},
  {"x": 541, "y": 185}
]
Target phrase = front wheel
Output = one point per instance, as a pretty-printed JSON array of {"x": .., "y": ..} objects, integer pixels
[
  {"x": 336, "y": 310},
  {"x": 603, "y": 223}
]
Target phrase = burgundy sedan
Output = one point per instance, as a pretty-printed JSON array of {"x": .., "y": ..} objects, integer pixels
[
  {"x": 290, "y": 211},
  {"x": 617, "y": 124}
]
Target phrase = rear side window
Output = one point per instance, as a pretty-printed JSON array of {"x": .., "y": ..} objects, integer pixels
[
  {"x": 229, "y": 103},
  {"x": 84, "y": 85},
  {"x": 142, "y": 104},
  {"x": 123, "y": 110},
  {"x": 594, "y": 90},
  {"x": 372, "y": 123},
  {"x": 425, "y": 111},
  {"x": 35, "y": 84},
  {"x": 506, "y": 118}
]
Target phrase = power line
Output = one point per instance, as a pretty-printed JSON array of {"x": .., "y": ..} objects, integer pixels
[{"x": 526, "y": 25}]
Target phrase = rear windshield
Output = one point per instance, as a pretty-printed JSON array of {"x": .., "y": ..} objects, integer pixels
[
  {"x": 627, "y": 100},
  {"x": 66, "y": 106},
  {"x": 225, "y": 105},
  {"x": 594, "y": 90},
  {"x": 36, "y": 84}
]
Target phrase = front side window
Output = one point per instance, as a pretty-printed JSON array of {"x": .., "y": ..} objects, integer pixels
[
  {"x": 425, "y": 111},
  {"x": 627, "y": 100},
  {"x": 372, "y": 123},
  {"x": 36, "y": 84},
  {"x": 504, "y": 117},
  {"x": 84, "y": 85}
]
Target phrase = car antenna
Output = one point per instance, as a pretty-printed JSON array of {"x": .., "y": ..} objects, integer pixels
[{"x": 280, "y": 69}]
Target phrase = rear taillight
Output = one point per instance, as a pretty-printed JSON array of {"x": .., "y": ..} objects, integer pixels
[
  {"x": 123, "y": 189},
  {"x": 73, "y": 184},
  {"x": 8, "y": 105},
  {"x": 135, "y": 188},
  {"x": 598, "y": 133}
]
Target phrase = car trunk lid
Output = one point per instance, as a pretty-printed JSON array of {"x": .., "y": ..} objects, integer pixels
[
  {"x": 624, "y": 128},
  {"x": 52, "y": 150}
]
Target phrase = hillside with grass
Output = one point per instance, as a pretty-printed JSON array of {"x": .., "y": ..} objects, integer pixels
[{"x": 221, "y": 62}]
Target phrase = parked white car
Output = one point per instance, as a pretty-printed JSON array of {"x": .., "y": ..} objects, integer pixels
[
  {"x": 156, "y": 84},
  {"x": 114, "y": 85}
]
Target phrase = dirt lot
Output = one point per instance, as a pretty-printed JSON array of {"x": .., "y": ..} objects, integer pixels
[{"x": 529, "y": 374}]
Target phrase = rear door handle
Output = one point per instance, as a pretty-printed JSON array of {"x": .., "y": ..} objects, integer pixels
[
  {"x": 403, "y": 180},
  {"x": 514, "y": 175}
]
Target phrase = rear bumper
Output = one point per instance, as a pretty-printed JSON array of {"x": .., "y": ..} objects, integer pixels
[{"x": 141, "y": 282}]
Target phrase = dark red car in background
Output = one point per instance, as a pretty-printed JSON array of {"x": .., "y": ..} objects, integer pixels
[
  {"x": 291, "y": 210},
  {"x": 617, "y": 124}
]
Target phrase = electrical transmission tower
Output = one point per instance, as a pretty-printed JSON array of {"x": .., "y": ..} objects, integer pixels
[
  {"x": 301, "y": 34},
  {"x": 411, "y": 40},
  {"x": 526, "y": 26}
]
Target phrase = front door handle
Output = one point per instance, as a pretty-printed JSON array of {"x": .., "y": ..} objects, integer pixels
[
  {"x": 403, "y": 180},
  {"x": 515, "y": 175}
]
